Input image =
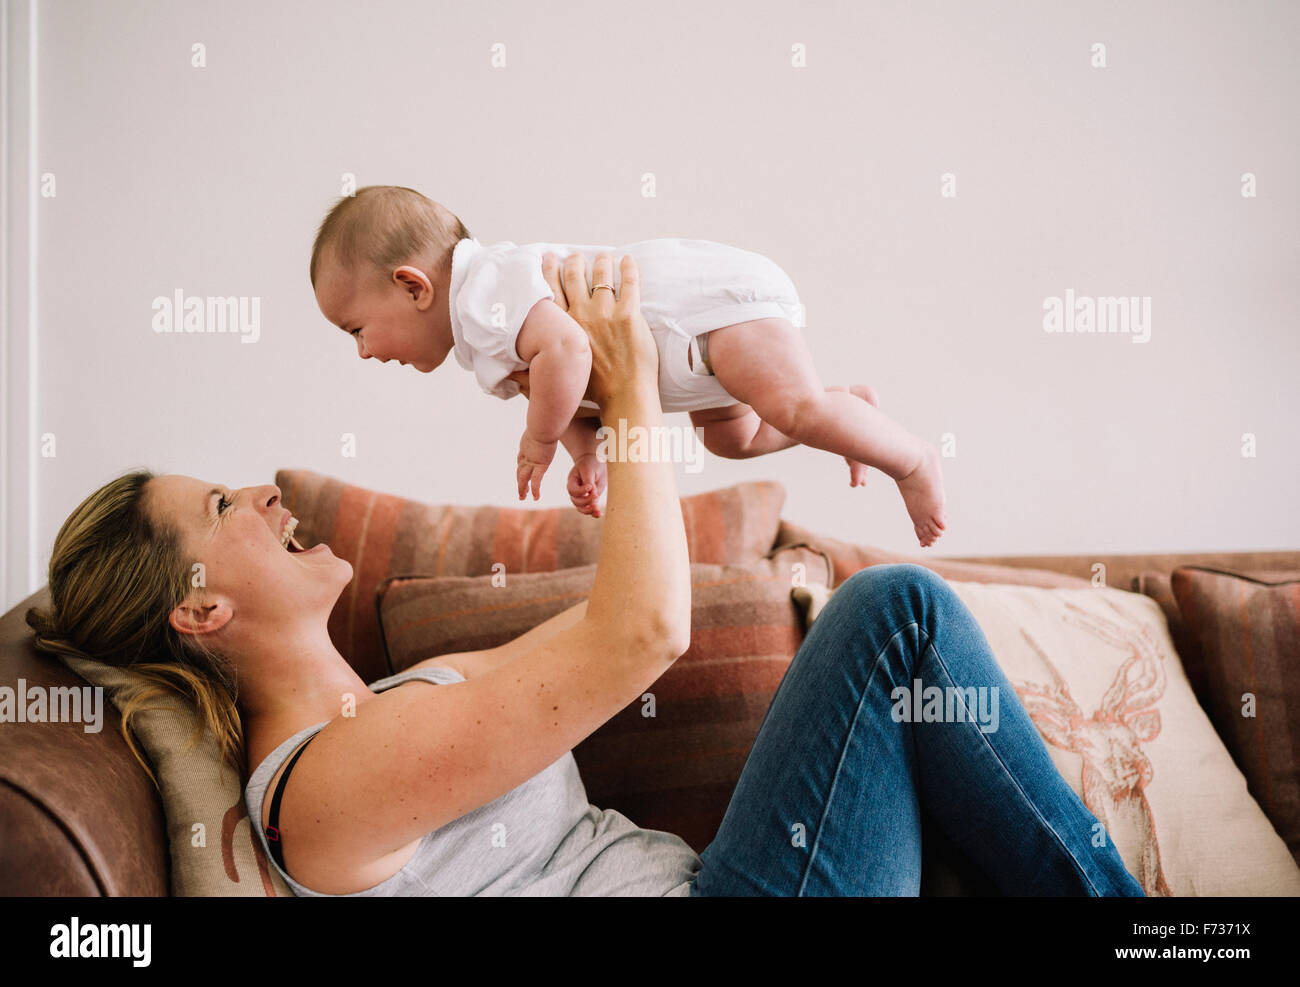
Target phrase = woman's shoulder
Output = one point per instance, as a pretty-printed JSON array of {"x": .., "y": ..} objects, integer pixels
[
  {"x": 270, "y": 768},
  {"x": 265, "y": 758}
]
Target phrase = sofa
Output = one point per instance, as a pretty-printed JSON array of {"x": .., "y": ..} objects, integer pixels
[{"x": 81, "y": 818}]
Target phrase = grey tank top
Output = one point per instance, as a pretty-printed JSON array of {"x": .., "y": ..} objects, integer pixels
[{"x": 540, "y": 839}]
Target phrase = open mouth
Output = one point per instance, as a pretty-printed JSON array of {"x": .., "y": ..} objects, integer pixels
[{"x": 288, "y": 540}]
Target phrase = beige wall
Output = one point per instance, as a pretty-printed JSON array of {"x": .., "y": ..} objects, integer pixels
[{"x": 1122, "y": 180}]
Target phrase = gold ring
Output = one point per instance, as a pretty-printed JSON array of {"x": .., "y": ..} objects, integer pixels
[{"x": 596, "y": 288}]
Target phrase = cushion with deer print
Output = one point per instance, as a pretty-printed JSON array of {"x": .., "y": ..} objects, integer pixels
[{"x": 1097, "y": 671}]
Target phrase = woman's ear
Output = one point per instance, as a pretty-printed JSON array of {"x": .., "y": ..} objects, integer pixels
[
  {"x": 416, "y": 283},
  {"x": 199, "y": 618}
]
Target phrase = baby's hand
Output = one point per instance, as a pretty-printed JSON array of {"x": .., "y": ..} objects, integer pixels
[
  {"x": 587, "y": 483},
  {"x": 534, "y": 458}
]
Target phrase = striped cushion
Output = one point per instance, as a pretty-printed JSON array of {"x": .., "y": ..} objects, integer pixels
[
  {"x": 1158, "y": 586},
  {"x": 384, "y": 535},
  {"x": 1247, "y": 633},
  {"x": 676, "y": 770}
]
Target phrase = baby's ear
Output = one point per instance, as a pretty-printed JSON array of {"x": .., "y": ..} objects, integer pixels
[{"x": 416, "y": 283}]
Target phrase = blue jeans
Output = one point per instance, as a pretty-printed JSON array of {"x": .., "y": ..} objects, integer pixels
[{"x": 831, "y": 798}]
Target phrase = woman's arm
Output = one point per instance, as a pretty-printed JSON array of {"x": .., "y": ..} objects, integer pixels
[
  {"x": 414, "y": 759},
  {"x": 472, "y": 664},
  {"x": 642, "y": 572}
]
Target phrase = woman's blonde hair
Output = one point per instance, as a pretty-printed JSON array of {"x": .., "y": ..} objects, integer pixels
[{"x": 116, "y": 574}]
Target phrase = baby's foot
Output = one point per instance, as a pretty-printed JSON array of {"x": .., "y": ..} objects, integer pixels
[
  {"x": 857, "y": 470},
  {"x": 922, "y": 491}
]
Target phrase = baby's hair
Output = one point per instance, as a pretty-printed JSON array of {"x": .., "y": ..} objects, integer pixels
[{"x": 386, "y": 226}]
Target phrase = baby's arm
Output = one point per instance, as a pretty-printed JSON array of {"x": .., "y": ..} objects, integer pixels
[
  {"x": 588, "y": 477},
  {"x": 558, "y": 355}
]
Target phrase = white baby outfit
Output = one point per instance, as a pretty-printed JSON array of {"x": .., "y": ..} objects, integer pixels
[{"x": 688, "y": 287}]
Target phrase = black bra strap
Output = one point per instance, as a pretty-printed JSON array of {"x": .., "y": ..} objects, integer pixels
[{"x": 272, "y": 831}]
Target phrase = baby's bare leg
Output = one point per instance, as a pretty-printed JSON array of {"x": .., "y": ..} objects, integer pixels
[
  {"x": 766, "y": 364},
  {"x": 857, "y": 470},
  {"x": 736, "y": 432}
]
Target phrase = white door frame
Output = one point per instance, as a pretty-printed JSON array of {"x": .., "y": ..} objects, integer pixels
[{"x": 19, "y": 404}]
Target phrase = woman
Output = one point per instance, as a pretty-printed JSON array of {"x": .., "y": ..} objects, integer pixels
[{"x": 469, "y": 787}]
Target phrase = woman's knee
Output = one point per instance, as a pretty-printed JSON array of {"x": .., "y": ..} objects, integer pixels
[
  {"x": 875, "y": 580},
  {"x": 894, "y": 591}
]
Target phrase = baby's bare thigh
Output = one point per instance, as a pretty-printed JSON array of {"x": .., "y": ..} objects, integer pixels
[
  {"x": 707, "y": 416},
  {"x": 757, "y": 342},
  {"x": 755, "y": 360}
]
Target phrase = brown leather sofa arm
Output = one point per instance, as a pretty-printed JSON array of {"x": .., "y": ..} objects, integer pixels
[
  {"x": 38, "y": 857},
  {"x": 78, "y": 813}
]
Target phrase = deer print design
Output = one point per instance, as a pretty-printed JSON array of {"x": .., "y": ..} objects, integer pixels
[
  {"x": 232, "y": 818},
  {"x": 1115, "y": 770}
]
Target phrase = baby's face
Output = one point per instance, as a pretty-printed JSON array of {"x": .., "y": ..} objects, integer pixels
[{"x": 380, "y": 315}]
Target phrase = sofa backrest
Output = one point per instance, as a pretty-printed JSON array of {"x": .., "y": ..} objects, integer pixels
[{"x": 80, "y": 817}]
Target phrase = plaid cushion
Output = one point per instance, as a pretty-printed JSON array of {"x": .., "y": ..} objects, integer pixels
[
  {"x": 384, "y": 535},
  {"x": 674, "y": 770},
  {"x": 1247, "y": 633}
]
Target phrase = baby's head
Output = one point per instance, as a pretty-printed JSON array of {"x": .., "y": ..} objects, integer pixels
[{"x": 380, "y": 267}]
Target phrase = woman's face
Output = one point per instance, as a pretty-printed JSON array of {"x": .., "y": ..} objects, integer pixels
[{"x": 238, "y": 561}]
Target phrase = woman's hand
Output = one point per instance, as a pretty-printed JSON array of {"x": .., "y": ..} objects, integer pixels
[{"x": 623, "y": 352}]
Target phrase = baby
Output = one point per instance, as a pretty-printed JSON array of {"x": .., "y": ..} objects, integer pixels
[{"x": 404, "y": 276}]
